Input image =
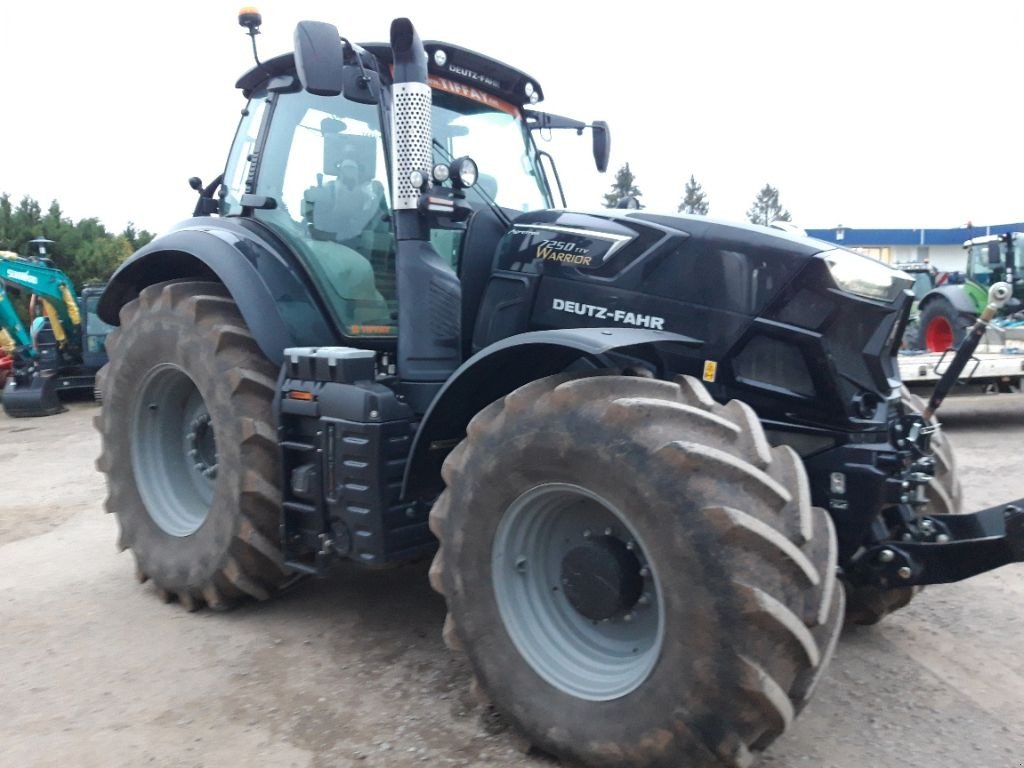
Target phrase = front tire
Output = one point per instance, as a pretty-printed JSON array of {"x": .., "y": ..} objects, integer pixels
[
  {"x": 189, "y": 446},
  {"x": 636, "y": 576}
]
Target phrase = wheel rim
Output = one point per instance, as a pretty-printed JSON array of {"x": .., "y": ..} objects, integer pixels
[
  {"x": 939, "y": 337},
  {"x": 174, "y": 451},
  {"x": 576, "y": 592}
]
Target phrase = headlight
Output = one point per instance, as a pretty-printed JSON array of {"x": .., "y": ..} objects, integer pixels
[
  {"x": 463, "y": 172},
  {"x": 441, "y": 173},
  {"x": 864, "y": 276}
]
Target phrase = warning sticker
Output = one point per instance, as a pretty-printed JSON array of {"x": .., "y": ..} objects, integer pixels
[{"x": 710, "y": 370}]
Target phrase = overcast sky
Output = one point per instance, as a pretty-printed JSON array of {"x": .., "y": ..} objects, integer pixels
[{"x": 869, "y": 114}]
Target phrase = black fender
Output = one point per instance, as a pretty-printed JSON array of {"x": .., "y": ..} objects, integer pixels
[
  {"x": 955, "y": 294},
  {"x": 274, "y": 296},
  {"x": 498, "y": 369}
]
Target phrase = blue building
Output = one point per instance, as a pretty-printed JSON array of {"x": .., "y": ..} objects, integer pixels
[{"x": 942, "y": 248}]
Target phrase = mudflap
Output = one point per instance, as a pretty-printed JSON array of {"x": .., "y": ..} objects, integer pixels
[{"x": 32, "y": 394}]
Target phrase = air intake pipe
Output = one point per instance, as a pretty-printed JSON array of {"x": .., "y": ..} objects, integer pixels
[{"x": 429, "y": 293}]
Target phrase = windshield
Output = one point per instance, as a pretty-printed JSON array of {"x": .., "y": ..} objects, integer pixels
[
  {"x": 492, "y": 133},
  {"x": 988, "y": 261}
]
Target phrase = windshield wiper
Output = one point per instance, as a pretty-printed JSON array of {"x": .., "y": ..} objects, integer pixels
[{"x": 498, "y": 211}]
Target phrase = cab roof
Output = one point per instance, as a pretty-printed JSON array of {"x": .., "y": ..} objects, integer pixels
[{"x": 457, "y": 64}]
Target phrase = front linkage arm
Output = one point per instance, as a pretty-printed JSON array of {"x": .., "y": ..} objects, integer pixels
[{"x": 940, "y": 549}]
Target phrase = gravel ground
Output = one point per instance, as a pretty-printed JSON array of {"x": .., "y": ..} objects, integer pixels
[{"x": 351, "y": 670}]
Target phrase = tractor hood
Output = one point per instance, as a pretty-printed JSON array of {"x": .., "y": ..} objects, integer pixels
[
  {"x": 746, "y": 263},
  {"x": 777, "y": 313},
  {"x": 607, "y": 243}
]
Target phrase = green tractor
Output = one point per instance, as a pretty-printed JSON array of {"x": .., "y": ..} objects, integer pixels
[{"x": 948, "y": 310}]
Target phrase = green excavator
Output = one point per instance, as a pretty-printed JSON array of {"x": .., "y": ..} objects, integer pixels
[{"x": 67, "y": 350}]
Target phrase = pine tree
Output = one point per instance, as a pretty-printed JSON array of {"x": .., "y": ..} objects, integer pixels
[
  {"x": 694, "y": 199},
  {"x": 624, "y": 186},
  {"x": 766, "y": 208}
]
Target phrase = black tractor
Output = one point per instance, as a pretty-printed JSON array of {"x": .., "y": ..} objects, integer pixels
[{"x": 656, "y": 459}]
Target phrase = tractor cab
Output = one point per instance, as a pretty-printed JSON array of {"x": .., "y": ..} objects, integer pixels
[
  {"x": 996, "y": 258},
  {"x": 315, "y": 169}
]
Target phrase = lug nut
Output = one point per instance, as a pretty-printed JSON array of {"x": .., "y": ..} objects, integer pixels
[
  {"x": 942, "y": 538},
  {"x": 645, "y": 572},
  {"x": 630, "y": 545},
  {"x": 607, "y": 531},
  {"x": 886, "y": 556},
  {"x": 628, "y": 617},
  {"x": 904, "y": 572},
  {"x": 587, "y": 533}
]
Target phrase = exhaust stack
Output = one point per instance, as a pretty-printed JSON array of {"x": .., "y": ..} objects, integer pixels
[
  {"x": 410, "y": 114},
  {"x": 429, "y": 292}
]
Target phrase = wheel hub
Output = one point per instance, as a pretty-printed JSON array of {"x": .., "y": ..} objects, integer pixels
[
  {"x": 202, "y": 446},
  {"x": 174, "y": 451},
  {"x": 939, "y": 335},
  {"x": 577, "y": 592},
  {"x": 602, "y": 578}
]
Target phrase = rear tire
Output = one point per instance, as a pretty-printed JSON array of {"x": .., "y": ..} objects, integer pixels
[
  {"x": 702, "y": 658},
  {"x": 869, "y": 605},
  {"x": 941, "y": 326},
  {"x": 189, "y": 446}
]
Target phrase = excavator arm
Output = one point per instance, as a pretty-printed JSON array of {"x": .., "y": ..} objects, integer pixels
[{"x": 12, "y": 325}]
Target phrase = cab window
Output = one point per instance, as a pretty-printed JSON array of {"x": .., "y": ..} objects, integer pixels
[
  {"x": 242, "y": 153},
  {"x": 323, "y": 164}
]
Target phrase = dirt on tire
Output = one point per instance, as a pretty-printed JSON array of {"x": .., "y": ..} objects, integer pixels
[
  {"x": 750, "y": 591},
  {"x": 195, "y": 328}
]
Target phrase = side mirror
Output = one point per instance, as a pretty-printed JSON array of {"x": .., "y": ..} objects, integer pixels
[
  {"x": 361, "y": 85},
  {"x": 318, "y": 58},
  {"x": 602, "y": 144}
]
